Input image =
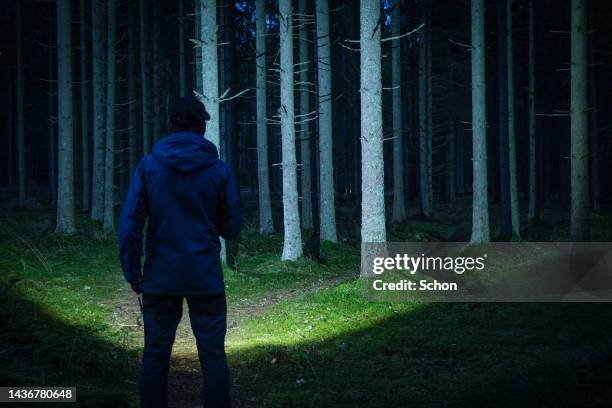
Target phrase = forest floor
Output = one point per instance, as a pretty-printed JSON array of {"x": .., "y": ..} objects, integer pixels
[{"x": 299, "y": 333}]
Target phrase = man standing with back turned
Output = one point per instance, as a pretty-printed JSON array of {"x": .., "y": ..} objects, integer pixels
[{"x": 190, "y": 199}]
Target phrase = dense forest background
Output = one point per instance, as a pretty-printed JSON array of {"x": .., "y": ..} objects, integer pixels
[
  {"x": 346, "y": 122},
  {"x": 427, "y": 134}
]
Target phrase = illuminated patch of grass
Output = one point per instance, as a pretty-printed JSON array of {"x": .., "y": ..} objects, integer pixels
[
  {"x": 54, "y": 306},
  {"x": 332, "y": 348},
  {"x": 304, "y": 334},
  {"x": 58, "y": 292},
  {"x": 260, "y": 271}
]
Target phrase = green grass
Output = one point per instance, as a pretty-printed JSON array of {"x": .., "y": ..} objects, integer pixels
[
  {"x": 54, "y": 311},
  {"x": 260, "y": 272},
  {"x": 305, "y": 335},
  {"x": 57, "y": 294},
  {"x": 332, "y": 348}
]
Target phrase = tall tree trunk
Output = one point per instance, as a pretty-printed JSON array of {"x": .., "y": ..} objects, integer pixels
[
  {"x": 210, "y": 74},
  {"x": 408, "y": 140},
  {"x": 422, "y": 121},
  {"x": 292, "y": 243},
  {"x": 355, "y": 129},
  {"x": 429, "y": 99},
  {"x": 425, "y": 177},
  {"x": 502, "y": 84},
  {"x": 594, "y": 136},
  {"x": 344, "y": 139},
  {"x": 399, "y": 198},
  {"x": 52, "y": 93},
  {"x": 157, "y": 72},
  {"x": 480, "y": 204},
  {"x": 21, "y": 167},
  {"x": 109, "y": 174},
  {"x": 209, "y": 67},
  {"x": 86, "y": 190},
  {"x": 132, "y": 150},
  {"x": 10, "y": 131},
  {"x": 122, "y": 150},
  {"x": 533, "y": 188},
  {"x": 222, "y": 52},
  {"x": 229, "y": 133},
  {"x": 197, "y": 48},
  {"x": 144, "y": 79},
  {"x": 326, "y": 166},
  {"x": 305, "y": 134},
  {"x": 460, "y": 161},
  {"x": 99, "y": 154},
  {"x": 579, "y": 124},
  {"x": 181, "y": 36},
  {"x": 451, "y": 142},
  {"x": 313, "y": 244},
  {"x": 372, "y": 161},
  {"x": 263, "y": 172},
  {"x": 514, "y": 199},
  {"x": 65, "y": 192},
  {"x": 225, "y": 81},
  {"x": 450, "y": 161}
]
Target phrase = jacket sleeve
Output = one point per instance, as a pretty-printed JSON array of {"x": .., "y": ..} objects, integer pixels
[
  {"x": 131, "y": 225},
  {"x": 230, "y": 213}
]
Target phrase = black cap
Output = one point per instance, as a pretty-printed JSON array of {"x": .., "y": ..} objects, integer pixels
[{"x": 188, "y": 112}]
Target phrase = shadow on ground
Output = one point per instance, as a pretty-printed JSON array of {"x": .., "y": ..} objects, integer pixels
[
  {"x": 37, "y": 349},
  {"x": 464, "y": 355}
]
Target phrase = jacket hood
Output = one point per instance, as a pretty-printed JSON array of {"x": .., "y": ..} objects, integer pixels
[{"x": 186, "y": 152}]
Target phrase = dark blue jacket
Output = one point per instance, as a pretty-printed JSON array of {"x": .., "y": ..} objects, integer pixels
[{"x": 190, "y": 198}]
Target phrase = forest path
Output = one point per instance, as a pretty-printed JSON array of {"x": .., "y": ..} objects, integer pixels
[{"x": 185, "y": 381}]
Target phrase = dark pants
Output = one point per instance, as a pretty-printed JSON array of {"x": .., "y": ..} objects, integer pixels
[{"x": 162, "y": 315}]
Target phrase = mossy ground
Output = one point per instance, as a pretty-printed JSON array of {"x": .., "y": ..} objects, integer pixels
[{"x": 301, "y": 333}]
